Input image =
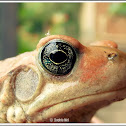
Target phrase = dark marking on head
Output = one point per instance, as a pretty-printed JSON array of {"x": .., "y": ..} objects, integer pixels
[{"x": 111, "y": 56}]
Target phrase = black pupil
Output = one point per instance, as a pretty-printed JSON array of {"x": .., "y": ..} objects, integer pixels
[{"x": 58, "y": 56}]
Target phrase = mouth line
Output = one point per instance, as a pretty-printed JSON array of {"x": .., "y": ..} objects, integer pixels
[
  {"x": 92, "y": 95},
  {"x": 84, "y": 97}
]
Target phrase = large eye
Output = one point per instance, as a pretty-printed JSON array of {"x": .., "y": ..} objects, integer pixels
[{"x": 57, "y": 57}]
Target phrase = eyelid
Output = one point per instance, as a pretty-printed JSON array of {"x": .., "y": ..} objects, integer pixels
[{"x": 75, "y": 43}]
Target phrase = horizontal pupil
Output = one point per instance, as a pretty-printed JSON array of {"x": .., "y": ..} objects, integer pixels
[{"x": 58, "y": 56}]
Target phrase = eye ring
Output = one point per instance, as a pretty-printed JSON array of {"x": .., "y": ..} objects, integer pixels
[{"x": 57, "y": 57}]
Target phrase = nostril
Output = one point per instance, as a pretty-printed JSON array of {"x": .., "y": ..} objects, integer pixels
[{"x": 111, "y": 56}]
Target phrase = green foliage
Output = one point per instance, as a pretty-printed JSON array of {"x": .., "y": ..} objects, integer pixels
[
  {"x": 118, "y": 9},
  {"x": 35, "y": 19}
]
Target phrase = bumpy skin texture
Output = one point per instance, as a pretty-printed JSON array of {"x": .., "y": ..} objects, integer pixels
[{"x": 29, "y": 94}]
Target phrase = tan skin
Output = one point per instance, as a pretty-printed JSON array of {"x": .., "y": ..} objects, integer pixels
[{"x": 29, "y": 93}]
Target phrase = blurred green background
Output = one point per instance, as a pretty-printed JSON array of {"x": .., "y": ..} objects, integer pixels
[
  {"x": 36, "y": 19},
  {"x": 117, "y": 9},
  {"x": 22, "y": 25}
]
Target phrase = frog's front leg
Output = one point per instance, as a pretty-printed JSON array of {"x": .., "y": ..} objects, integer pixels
[{"x": 16, "y": 114}]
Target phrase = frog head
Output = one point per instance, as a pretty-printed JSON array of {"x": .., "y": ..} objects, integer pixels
[{"x": 61, "y": 79}]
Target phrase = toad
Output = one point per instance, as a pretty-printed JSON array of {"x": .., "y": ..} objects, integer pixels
[{"x": 61, "y": 81}]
